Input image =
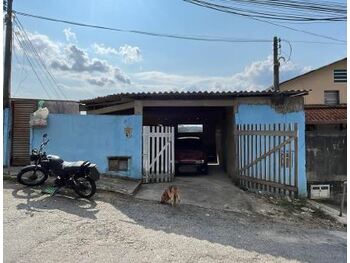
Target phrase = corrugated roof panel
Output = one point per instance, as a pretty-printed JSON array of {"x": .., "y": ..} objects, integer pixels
[{"x": 175, "y": 94}]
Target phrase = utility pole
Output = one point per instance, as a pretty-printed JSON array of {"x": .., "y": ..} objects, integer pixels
[
  {"x": 7, "y": 85},
  {"x": 276, "y": 64},
  {"x": 8, "y": 56}
]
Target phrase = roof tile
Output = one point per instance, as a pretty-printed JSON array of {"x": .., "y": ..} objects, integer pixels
[{"x": 325, "y": 115}]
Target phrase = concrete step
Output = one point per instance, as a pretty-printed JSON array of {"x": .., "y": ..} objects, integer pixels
[{"x": 118, "y": 185}]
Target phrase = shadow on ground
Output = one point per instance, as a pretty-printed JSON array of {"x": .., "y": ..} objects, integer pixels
[{"x": 66, "y": 201}]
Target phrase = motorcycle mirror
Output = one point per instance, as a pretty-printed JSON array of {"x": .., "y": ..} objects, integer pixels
[{"x": 45, "y": 135}]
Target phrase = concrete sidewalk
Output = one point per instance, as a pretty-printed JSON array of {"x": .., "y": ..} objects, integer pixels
[{"x": 334, "y": 213}]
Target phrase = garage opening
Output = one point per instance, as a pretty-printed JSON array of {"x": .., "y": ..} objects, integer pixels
[{"x": 201, "y": 139}]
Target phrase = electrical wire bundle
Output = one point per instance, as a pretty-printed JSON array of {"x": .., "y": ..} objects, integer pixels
[
  {"x": 286, "y": 10},
  {"x": 36, "y": 62}
]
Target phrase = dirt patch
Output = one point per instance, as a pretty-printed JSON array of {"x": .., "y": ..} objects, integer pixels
[{"x": 299, "y": 211}]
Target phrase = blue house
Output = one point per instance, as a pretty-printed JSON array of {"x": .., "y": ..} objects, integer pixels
[{"x": 257, "y": 138}]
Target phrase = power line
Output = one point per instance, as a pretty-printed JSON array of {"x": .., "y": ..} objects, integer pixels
[
  {"x": 277, "y": 10},
  {"x": 317, "y": 42},
  {"x": 31, "y": 65},
  {"x": 298, "y": 6},
  {"x": 300, "y": 30},
  {"x": 26, "y": 40},
  {"x": 290, "y": 49},
  {"x": 37, "y": 53},
  {"x": 23, "y": 70},
  {"x": 266, "y": 21},
  {"x": 35, "y": 62},
  {"x": 185, "y": 37},
  {"x": 188, "y": 37}
]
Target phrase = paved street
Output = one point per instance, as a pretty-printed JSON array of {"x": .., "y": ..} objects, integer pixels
[{"x": 113, "y": 228}]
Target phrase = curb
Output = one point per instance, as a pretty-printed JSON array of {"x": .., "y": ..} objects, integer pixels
[
  {"x": 137, "y": 188},
  {"x": 329, "y": 211}
]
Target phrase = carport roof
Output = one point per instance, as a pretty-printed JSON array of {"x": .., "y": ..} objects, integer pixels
[{"x": 193, "y": 95}]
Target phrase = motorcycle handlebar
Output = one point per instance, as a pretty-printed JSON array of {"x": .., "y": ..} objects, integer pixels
[{"x": 43, "y": 144}]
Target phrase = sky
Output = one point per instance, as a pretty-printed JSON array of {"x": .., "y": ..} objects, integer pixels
[{"x": 88, "y": 63}]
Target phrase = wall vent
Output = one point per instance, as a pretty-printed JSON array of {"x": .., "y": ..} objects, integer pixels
[{"x": 340, "y": 75}]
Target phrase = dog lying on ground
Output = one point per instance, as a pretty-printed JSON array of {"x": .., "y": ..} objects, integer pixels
[{"x": 171, "y": 194}]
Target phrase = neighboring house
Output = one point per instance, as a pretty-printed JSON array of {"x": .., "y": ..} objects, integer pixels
[
  {"x": 325, "y": 118},
  {"x": 17, "y": 144},
  {"x": 327, "y": 84},
  {"x": 257, "y": 137}
]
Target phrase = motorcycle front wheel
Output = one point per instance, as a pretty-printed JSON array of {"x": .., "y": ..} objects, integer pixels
[
  {"x": 85, "y": 187},
  {"x": 32, "y": 176}
]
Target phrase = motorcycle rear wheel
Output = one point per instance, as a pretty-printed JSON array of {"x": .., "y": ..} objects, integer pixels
[
  {"x": 32, "y": 176},
  {"x": 85, "y": 187}
]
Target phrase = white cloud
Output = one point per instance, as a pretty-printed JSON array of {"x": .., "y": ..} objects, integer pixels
[
  {"x": 100, "y": 81},
  {"x": 90, "y": 76},
  {"x": 75, "y": 61},
  {"x": 129, "y": 54},
  {"x": 42, "y": 43},
  {"x": 101, "y": 49},
  {"x": 70, "y": 36},
  {"x": 256, "y": 76}
]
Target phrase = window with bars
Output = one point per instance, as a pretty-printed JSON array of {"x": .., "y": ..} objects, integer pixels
[
  {"x": 331, "y": 97},
  {"x": 340, "y": 75}
]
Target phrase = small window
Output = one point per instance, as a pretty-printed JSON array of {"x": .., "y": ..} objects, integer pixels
[
  {"x": 118, "y": 163},
  {"x": 331, "y": 97},
  {"x": 340, "y": 75}
]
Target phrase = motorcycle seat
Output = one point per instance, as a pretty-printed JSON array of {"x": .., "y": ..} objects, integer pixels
[{"x": 72, "y": 165}]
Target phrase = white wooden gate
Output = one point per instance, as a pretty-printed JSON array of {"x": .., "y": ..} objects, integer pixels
[{"x": 158, "y": 154}]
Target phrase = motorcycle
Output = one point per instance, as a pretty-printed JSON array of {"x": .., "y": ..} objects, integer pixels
[{"x": 80, "y": 176}]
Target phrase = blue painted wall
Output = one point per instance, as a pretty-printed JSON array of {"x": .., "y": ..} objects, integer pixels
[
  {"x": 5, "y": 136},
  {"x": 265, "y": 114},
  {"x": 94, "y": 138}
]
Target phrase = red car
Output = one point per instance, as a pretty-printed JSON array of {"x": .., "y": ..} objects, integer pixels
[{"x": 190, "y": 155}]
